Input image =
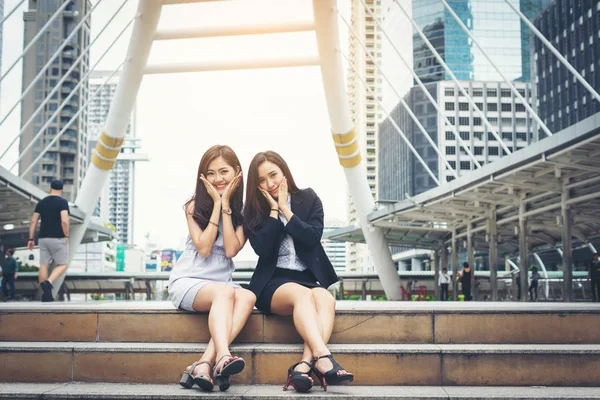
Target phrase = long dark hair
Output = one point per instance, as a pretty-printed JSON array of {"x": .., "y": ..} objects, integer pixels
[
  {"x": 257, "y": 209},
  {"x": 203, "y": 202}
]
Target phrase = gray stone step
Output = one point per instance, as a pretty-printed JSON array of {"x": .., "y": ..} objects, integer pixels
[
  {"x": 375, "y": 364},
  {"x": 356, "y": 322},
  {"x": 103, "y": 391}
]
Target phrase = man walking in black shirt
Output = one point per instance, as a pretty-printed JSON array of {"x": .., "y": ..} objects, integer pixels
[{"x": 53, "y": 238}]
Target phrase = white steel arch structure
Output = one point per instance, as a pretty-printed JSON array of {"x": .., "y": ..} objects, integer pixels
[
  {"x": 325, "y": 25},
  {"x": 329, "y": 60}
]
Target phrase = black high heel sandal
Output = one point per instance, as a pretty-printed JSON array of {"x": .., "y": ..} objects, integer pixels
[
  {"x": 234, "y": 367},
  {"x": 297, "y": 379},
  {"x": 204, "y": 381},
  {"x": 331, "y": 377}
]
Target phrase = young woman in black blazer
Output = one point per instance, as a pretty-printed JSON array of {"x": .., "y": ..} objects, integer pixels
[{"x": 284, "y": 225}]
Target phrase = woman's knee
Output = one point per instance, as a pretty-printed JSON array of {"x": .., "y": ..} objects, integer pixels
[
  {"x": 226, "y": 292},
  {"x": 245, "y": 297},
  {"x": 323, "y": 298}
]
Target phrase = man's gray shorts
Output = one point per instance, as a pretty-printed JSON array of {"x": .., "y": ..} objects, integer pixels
[{"x": 53, "y": 249}]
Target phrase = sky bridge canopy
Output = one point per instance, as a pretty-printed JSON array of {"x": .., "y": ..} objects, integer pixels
[{"x": 561, "y": 169}]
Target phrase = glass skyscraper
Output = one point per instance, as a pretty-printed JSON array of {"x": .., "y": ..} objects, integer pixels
[
  {"x": 573, "y": 27},
  {"x": 494, "y": 26},
  {"x": 507, "y": 41}
]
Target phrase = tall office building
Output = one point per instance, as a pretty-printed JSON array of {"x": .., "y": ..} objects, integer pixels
[
  {"x": 364, "y": 106},
  {"x": 118, "y": 197},
  {"x": 500, "y": 31},
  {"x": 573, "y": 27},
  {"x": 67, "y": 158},
  {"x": 336, "y": 251},
  {"x": 506, "y": 113},
  {"x": 493, "y": 24},
  {"x": 363, "y": 109}
]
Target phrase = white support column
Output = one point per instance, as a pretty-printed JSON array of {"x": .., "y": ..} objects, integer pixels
[
  {"x": 454, "y": 267},
  {"x": 471, "y": 259},
  {"x": 523, "y": 251},
  {"x": 416, "y": 264},
  {"x": 346, "y": 144},
  {"x": 538, "y": 259},
  {"x": 111, "y": 139},
  {"x": 567, "y": 235},
  {"x": 493, "y": 254},
  {"x": 401, "y": 265},
  {"x": 444, "y": 256},
  {"x": 435, "y": 259}
]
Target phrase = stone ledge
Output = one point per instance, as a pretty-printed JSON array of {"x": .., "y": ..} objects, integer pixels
[
  {"x": 377, "y": 307},
  {"x": 462, "y": 349}
]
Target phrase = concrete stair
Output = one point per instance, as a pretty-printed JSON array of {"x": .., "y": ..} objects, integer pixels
[
  {"x": 356, "y": 323},
  {"x": 102, "y": 391},
  {"x": 441, "y": 348}
]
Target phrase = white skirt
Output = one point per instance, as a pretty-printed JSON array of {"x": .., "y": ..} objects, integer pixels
[{"x": 190, "y": 287}]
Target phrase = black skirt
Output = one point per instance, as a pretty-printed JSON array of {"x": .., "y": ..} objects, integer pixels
[{"x": 281, "y": 276}]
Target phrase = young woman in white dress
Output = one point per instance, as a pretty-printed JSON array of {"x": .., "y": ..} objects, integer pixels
[{"x": 201, "y": 279}]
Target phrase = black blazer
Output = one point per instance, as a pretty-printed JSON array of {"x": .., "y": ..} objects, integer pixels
[{"x": 306, "y": 229}]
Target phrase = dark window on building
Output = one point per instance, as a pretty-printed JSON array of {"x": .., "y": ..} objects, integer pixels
[
  {"x": 478, "y": 150},
  {"x": 492, "y": 107},
  {"x": 493, "y": 151},
  {"x": 463, "y": 121},
  {"x": 507, "y": 136},
  {"x": 506, "y": 107},
  {"x": 505, "y": 93},
  {"x": 519, "y": 107},
  {"x": 476, "y": 121},
  {"x": 449, "y": 106},
  {"x": 465, "y": 135},
  {"x": 478, "y": 135},
  {"x": 450, "y": 150},
  {"x": 492, "y": 93},
  {"x": 510, "y": 148},
  {"x": 465, "y": 165},
  {"x": 449, "y": 136},
  {"x": 463, "y": 106},
  {"x": 522, "y": 135}
]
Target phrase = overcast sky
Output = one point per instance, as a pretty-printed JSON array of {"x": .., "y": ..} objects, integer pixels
[{"x": 181, "y": 115}]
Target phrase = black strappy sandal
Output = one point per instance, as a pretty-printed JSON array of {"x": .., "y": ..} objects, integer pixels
[
  {"x": 234, "y": 367},
  {"x": 331, "y": 377},
  {"x": 297, "y": 379},
  {"x": 204, "y": 381}
]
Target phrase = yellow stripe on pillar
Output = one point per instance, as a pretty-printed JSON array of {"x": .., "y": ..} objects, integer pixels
[
  {"x": 101, "y": 163},
  {"x": 107, "y": 151},
  {"x": 110, "y": 141},
  {"x": 347, "y": 148}
]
